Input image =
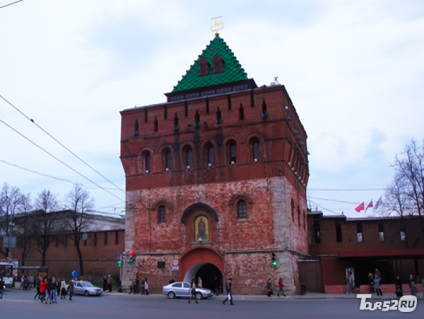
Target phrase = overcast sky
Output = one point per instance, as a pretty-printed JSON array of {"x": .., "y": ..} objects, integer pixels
[{"x": 353, "y": 69}]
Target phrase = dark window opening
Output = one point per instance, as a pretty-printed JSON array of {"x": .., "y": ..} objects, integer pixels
[
  {"x": 339, "y": 232},
  {"x": 189, "y": 157},
  {"x": 241, "y": 112},
  {"x": 218, "y": 116},
  {"x": 317, "y": 232},
  {"x": 105, "y": 238},
  {"x": 175, "y": 126},
  {"x": 255, "y": 150},
  {"x": 380, "y": 232},
  {"x": 218, "y": 64},
  {"x": 145, "y": 115},
  {"x": 168, "y": 160},
  {"x": 116, "y": 237},
  {"x": 136, "y": 131},
  {"x": 147, "y": 160},
  {"x": 229, "y": 101},
  {"x": 241, "y": 209},
  {"x": 155, "y": 124},
  {"x": 233, "y": 152},
  {"x": 264, "y": 113},
  {"x": 210, "y": 154},
  {"x": 162, "y": 214},
  {"x": 203, "y": 66},
  {"x": 359, "y": 233},
  {"x": 197, "y": 119},
  {"x": 165, "y": 112}
]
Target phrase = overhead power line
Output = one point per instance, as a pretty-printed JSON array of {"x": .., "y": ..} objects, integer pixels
[
  {"x": 61, "y": 144},
  {"x": 57, "y": 159},
  {"x": 9, "y": 4}
]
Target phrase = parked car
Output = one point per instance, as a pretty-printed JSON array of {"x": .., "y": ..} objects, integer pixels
[
  {"x": 182, "y": 289},
  {"x": 86, "y": 288}
]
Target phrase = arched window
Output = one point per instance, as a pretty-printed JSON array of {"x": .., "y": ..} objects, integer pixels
[
  {"x": 232, "y": 150},
  {"x": 241, "y": 209},
  {"x": 255, "y": 149},
  {"x": 203, "y": 66},
  {"x": 188, "y": 157},
  {"x": 168, "y": 160},
  {"x": 292, "y": 209},
  {"x": 161, "y": 214},
  {"x": 210, "y": 154},
  {"x": 175, "y": 126},
  {"x": 218, "y": 64},
  {"x": 146, "y": 162}
]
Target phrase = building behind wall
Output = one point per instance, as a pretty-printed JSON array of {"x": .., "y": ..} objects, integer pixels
[{"x": 216, "y": 180}]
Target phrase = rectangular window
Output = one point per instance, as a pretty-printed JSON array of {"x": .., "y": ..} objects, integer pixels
[
  {"x": 380, "y": 232},
  {"x": 105, "y": 242},
  {"x": 338, "y": 232},
  {"x": 402, "y": 235},
  {"x": 359, "y": 234}
]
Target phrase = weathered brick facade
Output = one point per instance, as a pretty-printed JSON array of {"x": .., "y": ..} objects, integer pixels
[{"x": 216, "y": 179}]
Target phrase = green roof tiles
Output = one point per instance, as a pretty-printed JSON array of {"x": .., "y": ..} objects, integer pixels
[{"x": 231, "y": 70}]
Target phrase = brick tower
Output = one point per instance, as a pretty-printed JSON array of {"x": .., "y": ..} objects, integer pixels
[{"x": 216, "y": 181}]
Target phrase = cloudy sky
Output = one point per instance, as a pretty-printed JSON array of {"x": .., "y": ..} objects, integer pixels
[{"x": 354, "y": 70}]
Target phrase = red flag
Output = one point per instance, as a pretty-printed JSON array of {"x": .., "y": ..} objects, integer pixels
[
  {"x": 369, "y": 205},
  {"x": 360, "y": 207}
]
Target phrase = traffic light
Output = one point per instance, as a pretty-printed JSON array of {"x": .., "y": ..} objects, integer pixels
[
  {"x": 274, "y": 260},
  {"x": 119, "y": 263},
  {"x": 131, "y": 257}
]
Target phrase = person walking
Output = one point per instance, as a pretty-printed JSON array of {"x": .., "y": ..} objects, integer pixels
[
  {"x": 377, "y": 285},
  {"x": 62, "y": 290},
  {"x": 398, "y": 287},
  {"x": 52, "y": 290},
  {"x": 269, "y": 291},
  {"x": 146, "y": 286},
  {"x": 109, "y": 282},
  {"x": 349, "y": 283},
  {"x": 104, "y": 283},
  {"x": 1, "y": 288},
  {"x": 228, "y": 288},
  {"x": 371, "y": 282},
  {"x": 280, "y": 287},
  {"x": 37, "y": 287},
  {"x": 71, "y": 289},
  {"x": 193, "y": 290},
  {"x": 43, "y": 290}
]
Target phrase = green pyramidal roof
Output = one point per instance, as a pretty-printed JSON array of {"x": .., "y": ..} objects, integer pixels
[{"x": 231, "y": 69}]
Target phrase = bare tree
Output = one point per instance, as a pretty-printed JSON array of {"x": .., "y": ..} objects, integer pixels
[
  {"x": 405, "y": 195},
  {"x": 45, "y": 222},
  {"x": 79, "y": 202},
  {"x": 12, "y": 202}
]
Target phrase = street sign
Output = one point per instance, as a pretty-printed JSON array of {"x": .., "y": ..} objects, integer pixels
[{"x": 9, "y": 241}]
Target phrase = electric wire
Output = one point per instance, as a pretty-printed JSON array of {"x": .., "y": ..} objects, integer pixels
[
  {"x": 60, "y": 143},
  {"x": 57, "y": 159},
  {"x": 9, "y": 4}
]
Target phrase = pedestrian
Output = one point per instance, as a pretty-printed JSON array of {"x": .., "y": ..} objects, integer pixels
[
  {"x": 371, "y": 282},
  {"x": 1, "y": 288},
  {"x": 281, "y": 287},
  {"x": 43, "y": 290},
  {"x": 62, "y": 291},
  {"x": 71, "y": 289},
  {"x": 228, "y": 288},
  {"x": 413, "y": 288},
  {"x": 398, "y": 287},
  {"x": 193, "y": 290},
  {"x": 143, "y": 290},
  {"x": 349, "y": 283},
  {"x": 109, "y": 282},
  {"x": 37, "y": 287},
  {"x": 146, "y": 286},
  {"x": 104, "y": 283},
  {"x": 377, "y": 285},
  {"x": 269, "y": 291},
  {"x": 52, "y": 290},
  {"x": 411, "y": 280},
  {"x": 199, "y": 282}
]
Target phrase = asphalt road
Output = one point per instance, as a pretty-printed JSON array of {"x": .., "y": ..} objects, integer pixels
[{"x": 21, "y": 305}]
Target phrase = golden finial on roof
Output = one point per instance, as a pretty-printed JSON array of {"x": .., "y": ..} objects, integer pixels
[{"x": 217, "y": 25}]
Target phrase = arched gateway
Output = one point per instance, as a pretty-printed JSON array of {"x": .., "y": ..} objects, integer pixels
[{"x": 205, "y": 263}]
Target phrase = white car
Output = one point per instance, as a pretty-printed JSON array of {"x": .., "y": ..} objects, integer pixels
[
  {"x": 182, "y": 289},
  {"x": 86, "y": 288}
]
